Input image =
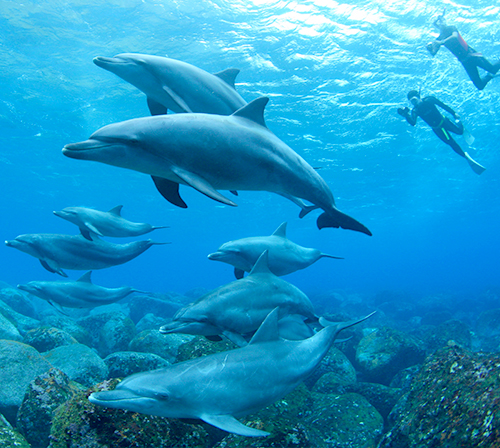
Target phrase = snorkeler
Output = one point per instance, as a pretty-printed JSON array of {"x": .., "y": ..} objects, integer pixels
[
  {"x": 442, "y": 126},
  {"x": 468, "y": 57}
]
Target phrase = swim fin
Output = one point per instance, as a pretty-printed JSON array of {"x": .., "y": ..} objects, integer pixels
[
  {"x": 476, "y": 167},
  {"x": 469, "y": 138}
]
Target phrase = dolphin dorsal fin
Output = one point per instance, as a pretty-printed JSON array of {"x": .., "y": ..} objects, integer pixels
[
  {"x": 116, "y": 210},
  {"x": 85, "y": 277},
  {"x": 261, "y": 266},
  {"x": 280, "y": 231},
  {"x": 254, "y": 111},
  {"x": 228, "y": 76},
  {"x": 268, "y": 330}
]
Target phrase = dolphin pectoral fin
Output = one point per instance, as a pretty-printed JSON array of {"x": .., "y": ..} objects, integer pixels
[
  {"x": 85, "y": 233},
  {"x": 155, "y": 108},
  {"x": 239, "y": 273},
  {"x": 235, "y": 338},
  {"x": 234, "y": 192},
  {"x": 339, "y": 219},
  {"x": 330, "y": 256},
  {"x": 177, "y": 99},
  {"x": 93, "y": 229},
  {"x": 53, "y": 269},
  {"x": 214, "y": 338},
  {"x": 230, "y": 424},
  {"x": 169, "y": 190},
  {"x": 200, "y": 184}
]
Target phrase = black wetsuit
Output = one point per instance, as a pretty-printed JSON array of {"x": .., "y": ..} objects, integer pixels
[
  {"x": 426, "y": 109},
  {"x": 468, "y": 57}
]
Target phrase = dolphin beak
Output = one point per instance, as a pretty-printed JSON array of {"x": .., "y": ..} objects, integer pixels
[
  {"x": 81, "y": 149},
  {"x": 8, "y": 243},
  {"x": 105, "y": 63},
  {"x": 215, "y": 256},
  {"x": 107, "y": 398}
]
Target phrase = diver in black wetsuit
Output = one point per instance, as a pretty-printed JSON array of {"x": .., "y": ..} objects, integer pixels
[
  {"x": 468, "y": 57},
  {"x": 442, "y": 126}
]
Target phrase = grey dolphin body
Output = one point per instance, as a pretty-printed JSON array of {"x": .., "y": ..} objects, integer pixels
[
  {"x": 238, "y": 309},
  {"x": 217, "y": 388},
  {"x": 104, "y": 223},
  {"x": 176, "y": 85},
  {"x": 285, "y": 256},
  {"x": 57, "y": 252},
  {"x": 76, "y": 294},
  {"x": 210, "y": 153}
]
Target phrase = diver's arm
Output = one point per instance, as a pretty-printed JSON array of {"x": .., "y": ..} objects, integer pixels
[
  {"x": 411, "y": 117},
  {"x": 453, "y": 35},
  {"x": 442, "y": 106}
]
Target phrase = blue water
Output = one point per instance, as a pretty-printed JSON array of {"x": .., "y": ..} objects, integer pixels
[{"x": 335, "y": 74}]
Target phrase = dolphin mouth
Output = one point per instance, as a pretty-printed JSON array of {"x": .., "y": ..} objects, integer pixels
[
  {"x": 104, "y": 62},
  {"x": 78, "y": 150},
  {"x": 172, "y": 327},
  {"x": 215, "y": 256},
  {"x": 112, "y": 396}
]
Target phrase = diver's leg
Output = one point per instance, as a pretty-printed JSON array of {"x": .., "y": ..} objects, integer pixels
[
  {"x": 471, "y": 69},
  {"x": 456, "y": 127},
  {"x": 448, "y": 139},
  {"x": 483, "y": 63}
]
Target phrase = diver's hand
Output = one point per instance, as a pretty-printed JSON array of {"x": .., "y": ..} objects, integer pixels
[{"x": 403, "y": 111}]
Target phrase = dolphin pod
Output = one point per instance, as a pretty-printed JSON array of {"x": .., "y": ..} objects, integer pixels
[
  {"x": 285, "y": 256},
  {"x": 176, "y": 85},
  {"x": 76, "y": 294},
  {"x": 109, "y": 223},
  {"x": 211, "y": 153},
  {"x": 57, "y": 252},
  {"x": 237, "y": 309},
  {"x": 221, "y": 387}
]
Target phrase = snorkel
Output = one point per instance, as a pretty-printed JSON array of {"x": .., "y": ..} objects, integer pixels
[{"x": 439, "y": 23}]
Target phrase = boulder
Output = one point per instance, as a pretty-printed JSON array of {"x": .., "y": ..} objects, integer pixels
[
  {"x": 47, "y": 338},
  {"x": 164, "y": 345},
  {"x": 19, "y": 364},
  {"x": 8, "y": 330},
  {"x": 79, "y": 362},
  {"x": 453, "y": 402},
  {"x": 9, "y": 437},
  {"x": 122, "y": 364},
  {"x": 384, "y": 352},
  {"x": 44, "y": 394}
]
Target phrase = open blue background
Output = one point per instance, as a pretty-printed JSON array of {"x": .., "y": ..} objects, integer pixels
[{"x": 335, "y": 73}]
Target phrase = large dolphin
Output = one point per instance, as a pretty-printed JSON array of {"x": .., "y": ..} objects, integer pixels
[
  {"x": 285, "y": 256},
  {"x": 176, "y": 85},
  {"x": 57, "y": 252},
  {"x": 237, "y": 309},
  {"x": 76, "y": 294},
  {"x": 221, "y": 387},
  {"x": 210, "y": 153},
  {"x": 104, "y": 223}
]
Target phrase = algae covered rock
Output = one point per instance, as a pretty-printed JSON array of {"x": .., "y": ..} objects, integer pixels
[
  {"x": 164, "y": 345},
  {"x": 201, "y": 346},
  {"x": 47, "y": 338},
  {"x": 69, "y": 326},
  {"x": 80, "y": 424},
  {"x": 19, "y": 364},
  {"x": 44, "y": 394},
  {"x": 9, "y": 438},
  {"x": 384, "y": 352},
  {"x": 122, "y": 364},
  {"x": 453, "y": 402},
  {"x": 79, "y": 362},
  {"x": 336, "y": 367}
]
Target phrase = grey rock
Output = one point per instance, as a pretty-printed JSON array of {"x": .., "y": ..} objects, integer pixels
[
  {"x": 10, "y": 438},
  {"x": 17, "y": 300},
  {"x": 21, "y": 322},
  {"x": 19, "y": 364},
  {"x": 68, "y": 325},
  {"x": 79, "y": 362},
  {"x": 164, "y": 345},
  {"x": 122, "y": 364},
  {"x": 47, "y": 338},
  {"x": 8, "y": 330}
]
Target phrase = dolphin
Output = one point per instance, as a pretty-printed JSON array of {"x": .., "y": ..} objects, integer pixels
[
  {"x": 237, "y": 309},
  {"x": 285, "y": 256},
  {"x": 104, "y": 223},
  {"x": 221, "y": 387},
  {"x": 76, "y": 294},
  {"x": 210, "y": 153},
  {"x": 57, "y": 252},
  {"x": 176, "y": 85}
]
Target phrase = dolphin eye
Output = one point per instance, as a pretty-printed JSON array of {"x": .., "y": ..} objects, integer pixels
[{"x": 162, "y": 396}]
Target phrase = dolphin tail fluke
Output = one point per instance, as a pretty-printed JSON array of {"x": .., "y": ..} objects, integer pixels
[
  {"x": 230, "y": 424},
  {"x": 339, "y": 219},
  {"x": 476, "y": 167}
]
